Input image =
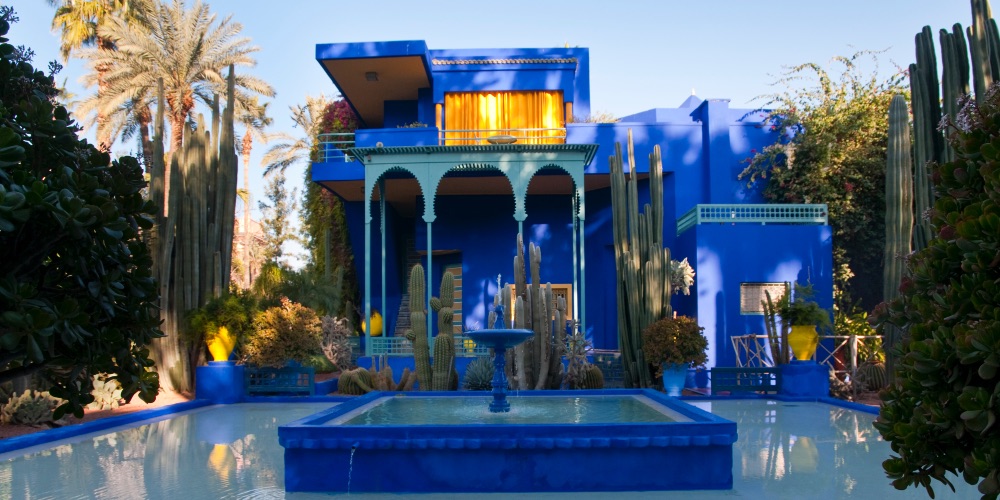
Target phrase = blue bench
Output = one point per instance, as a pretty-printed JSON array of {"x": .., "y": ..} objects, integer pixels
[{"x": 280, "y": 380}]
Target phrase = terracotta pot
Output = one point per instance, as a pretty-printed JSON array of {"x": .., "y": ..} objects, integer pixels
[{"x": 803, "y": 340}]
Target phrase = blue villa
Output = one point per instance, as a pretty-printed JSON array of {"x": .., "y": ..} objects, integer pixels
[{"x": 459, "y": 150}]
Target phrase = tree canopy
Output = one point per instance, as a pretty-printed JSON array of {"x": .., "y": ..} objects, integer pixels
[
  {"x": 832, "y": 150},
  {"x": 76, "y": 291}
]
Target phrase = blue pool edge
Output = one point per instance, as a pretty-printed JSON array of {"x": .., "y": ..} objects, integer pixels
[{"x": 70, "y": 431}]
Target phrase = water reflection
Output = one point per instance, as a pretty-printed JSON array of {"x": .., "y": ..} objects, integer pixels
[{"x": 157, "y": 460}]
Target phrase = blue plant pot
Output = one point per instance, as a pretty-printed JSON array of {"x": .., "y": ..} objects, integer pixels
[{"x": 674, "y": 376}]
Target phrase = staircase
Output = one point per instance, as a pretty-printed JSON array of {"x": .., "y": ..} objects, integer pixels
[{"x": 403, "y": 316}]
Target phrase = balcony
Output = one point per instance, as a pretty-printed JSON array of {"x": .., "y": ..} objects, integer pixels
[{"x": 814, "y": 214}]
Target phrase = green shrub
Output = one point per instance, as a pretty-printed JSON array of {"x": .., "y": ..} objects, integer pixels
[
  {"x": 674, "y": 340},
  {"x": 29, "y": 408},
  {"x": 289, "y": 332},
  {"x": 940, "y": 414}
]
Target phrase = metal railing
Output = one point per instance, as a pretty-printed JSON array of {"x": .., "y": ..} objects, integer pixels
[
  {"x": 753, "y": 351},
  {"x": 332, "y": 146},
  {"x": 455, "y": 137},
  {"x": 465, "y": 347},
  {"x": 761, "y": 213}
]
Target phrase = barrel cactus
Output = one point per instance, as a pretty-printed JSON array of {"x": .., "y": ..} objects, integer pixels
[
  {"x": 479, "y": 375},
  {"x": 872, "y": 376},
  {"x": 593, "y": 378},
  {"x": 29, "y": 408},
  {"x": 355, "y": 382}
]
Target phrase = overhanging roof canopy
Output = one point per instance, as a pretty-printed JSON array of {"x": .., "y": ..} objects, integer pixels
[{"x": 370, "y": 73}]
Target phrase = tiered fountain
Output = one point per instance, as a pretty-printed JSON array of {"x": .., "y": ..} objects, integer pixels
[{"x": 610, "y": 440}]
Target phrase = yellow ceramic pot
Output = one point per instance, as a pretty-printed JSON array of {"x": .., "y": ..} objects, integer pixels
[
  {"x": 803, "y": 340},
  {"x": 376, "y": 324},
  {"x": 221, "y": 345}
]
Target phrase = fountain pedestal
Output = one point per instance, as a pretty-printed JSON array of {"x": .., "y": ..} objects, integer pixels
[{"x": 500, "y": 340}]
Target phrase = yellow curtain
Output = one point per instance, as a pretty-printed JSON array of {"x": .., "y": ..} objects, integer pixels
[{"x": 534, "y": 117}]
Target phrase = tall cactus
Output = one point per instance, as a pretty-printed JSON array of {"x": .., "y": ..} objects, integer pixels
[
  {"x": 441, "y": 375},
  {"x": 537, "y": 362},
  {"x": 417, "y": 334},
  {"x": 444, "y": 343},
  {"x": 983, "y": 48},
  {"x": 642, "y": 262},
  {"x": 193, "y": 236},
  {"x": 898, "y": 212}
]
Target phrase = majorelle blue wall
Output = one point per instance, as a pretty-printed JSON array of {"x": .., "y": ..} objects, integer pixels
[
  {"x": 394, "y": 262},
  {"x": 730, "y": 254}
]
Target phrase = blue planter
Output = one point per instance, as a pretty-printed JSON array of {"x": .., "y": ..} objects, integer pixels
[{"x": 674, "y": 376}]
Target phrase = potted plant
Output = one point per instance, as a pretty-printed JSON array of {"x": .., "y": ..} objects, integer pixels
[
  {"x": 805, "y": 317},
  {"x": 674, "y": 344}
]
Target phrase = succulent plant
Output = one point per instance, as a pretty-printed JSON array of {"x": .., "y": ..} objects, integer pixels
[
  {"x": 355, "y": 382},
  {"x": 479, "y": 374},
  {"x": 107, "y": 393},
  {"x": 29, "y": 408},
  {"x": 593, "y": 378},
  {"x": 871, "y": 376}
]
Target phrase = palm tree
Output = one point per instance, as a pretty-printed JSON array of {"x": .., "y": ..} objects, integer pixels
[
  {"x": 79, "y": 24},
  {"x": 187, "y": 49},
  {"x": 255, "y": 120},
  {"x": 297, "y": 149}
]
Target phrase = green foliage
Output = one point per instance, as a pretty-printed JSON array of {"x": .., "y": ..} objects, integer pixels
[
  {"x": 29, "y": 408},
  {"x": 801, "y": 310},
  {"x": 479, "y": 374},
  {"x": 832, "y": 149},
  {"x": 856, "y": 323},
  {"x": 76, "y": 290},
  {"x": 289, "y": 332},
  {"x": 276, "y": 219},
  {"x": 234, "y": 310},
  {"x": 675, "y": 340},
  {"x": 324, "y": 222},
  {"x": 107, "y": 393},
  {"x": 939, "y": 416}
]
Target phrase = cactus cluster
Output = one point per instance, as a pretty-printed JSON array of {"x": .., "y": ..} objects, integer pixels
[
  {"x": 536, "y": 363},
  {"x": 355, "y": 382},
  {"x": 192, "y": 239},
  {"x": 107, "y": 393},
  {"x": 642, "y": 262},
  {"x": 29, "y": 408},
  {"x": 441, "y": 376},
  {"x": 580, "y": 374},
  {"x": 479, "y": 374}
]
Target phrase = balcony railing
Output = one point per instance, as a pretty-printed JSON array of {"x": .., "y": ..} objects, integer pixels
[
  {"x": 453, "y": 137},
  {"x": 332, "y": 146},
  {"x": 754, "y": 213},
  {"x": 465, "y": 347}
]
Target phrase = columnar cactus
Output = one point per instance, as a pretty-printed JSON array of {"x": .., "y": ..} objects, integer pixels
[
  {"x": 418, "y": 327},
  {"x": 441, "y": 376},
  {"x": 537, "y": 362},
  {"x": 642, "y": 262},
  {"x": 444, "y": 343},
  {"x": 898, "y": 211},
  {"x": 193, "y": 235}
]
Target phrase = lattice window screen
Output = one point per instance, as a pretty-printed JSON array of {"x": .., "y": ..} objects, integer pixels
[{"x": 752, "y": 294}]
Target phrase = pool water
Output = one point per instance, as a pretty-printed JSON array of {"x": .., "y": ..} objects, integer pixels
[
  {"x": 416, "y": 410},
  {"x": 785, "y": 450}
]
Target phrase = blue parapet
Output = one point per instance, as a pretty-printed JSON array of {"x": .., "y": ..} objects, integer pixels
[{"x": 220, "y": 382}]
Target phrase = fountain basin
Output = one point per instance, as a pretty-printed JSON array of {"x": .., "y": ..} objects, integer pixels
[{"x": 337, "y": 450}]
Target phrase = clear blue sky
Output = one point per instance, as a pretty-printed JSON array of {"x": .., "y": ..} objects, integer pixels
[{"x": 644, "y": 54}]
